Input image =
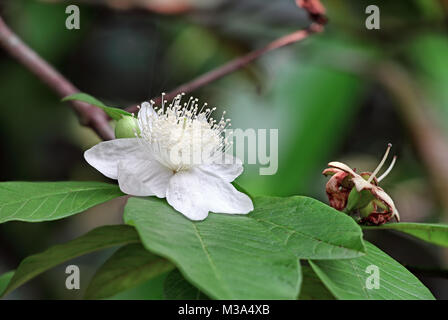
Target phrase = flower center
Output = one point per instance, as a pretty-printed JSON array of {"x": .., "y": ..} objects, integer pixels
[{"x": 181, "y": 136}]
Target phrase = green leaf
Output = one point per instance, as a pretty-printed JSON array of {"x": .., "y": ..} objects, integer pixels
[
  {"x": 177, "y": 288},
  {"x": 309, "y": 228},
  {"x": 130, "y": 266},
  {"x": 149, "y": 290},
  {"x": 312, "y": 286},
  {"x": 97, "y": 239},
  {"x": 247, "y": 256},
  {"x": 429, "y": 232},
  {"x": 241, "y": 189},
  {"x": 5, "y": 279},
  {"x": 227, "y": 257},
  {"x": 45, "y": 201},
  {"x": 347, "y": 279},
  {"x": 114, "y": 113}
]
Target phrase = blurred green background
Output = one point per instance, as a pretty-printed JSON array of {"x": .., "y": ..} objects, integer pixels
[{"x": 341, "y": 95}]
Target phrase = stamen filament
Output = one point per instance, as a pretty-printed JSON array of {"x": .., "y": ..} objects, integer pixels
[
  {"x": 384, "y": 175},
  {"x": 180, "y": 128},
  {"x": 381, "y": 163}
]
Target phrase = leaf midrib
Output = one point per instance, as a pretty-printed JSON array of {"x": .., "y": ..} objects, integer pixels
[
  {"x": 292, "y": 231},
  {"x": 356, "y": 271},
  {"x": 209, "y": 259},
  {"x": 55, "y": 194}
]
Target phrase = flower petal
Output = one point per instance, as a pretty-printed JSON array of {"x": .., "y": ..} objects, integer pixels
[
  {"x": 194, "y": 193},
  {"x": 143, "y": 177},
  {"x": 342, "y": 166},
  {"x": 146, "y": 115},
  {"x": 385, "y": 198},
  {"x": 106, "y": 155},
  {"x": 227, "y": 167},
  {"x": 336, "y": 192},
  {"x": 360, "y": 182}
]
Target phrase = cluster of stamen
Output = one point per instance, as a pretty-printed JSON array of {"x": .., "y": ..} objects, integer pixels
[{"x": 182, "y": 135}]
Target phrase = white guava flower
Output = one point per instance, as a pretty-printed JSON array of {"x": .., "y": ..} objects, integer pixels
[{"x": 178, "y": 153}]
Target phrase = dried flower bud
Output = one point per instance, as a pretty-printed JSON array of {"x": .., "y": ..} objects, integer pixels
[{"x": 359, "y": 193}]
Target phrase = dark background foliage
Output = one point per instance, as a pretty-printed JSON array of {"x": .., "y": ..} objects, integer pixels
[{"x": 341, "y": 95}]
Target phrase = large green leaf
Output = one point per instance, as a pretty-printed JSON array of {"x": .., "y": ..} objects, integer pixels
[
  {"x": 227, "y": 257},
  {"x": 97, "y": 239},
  {"x": 312, "y": 287},
  {"x": 130, "y": 266},
  {"x": 309, "y": 228},
  {"x": 149, "y": 290},
  {"x": 430, "y": 232},
  {"x": 44, "y": 201},
  {"x": 177, "y": 288},
  {"x": 247, "y": 257},
  {"x": 4, "y": 280},
  {"x": 347, "y": 279},
  {"x": 114, "y": 113}
]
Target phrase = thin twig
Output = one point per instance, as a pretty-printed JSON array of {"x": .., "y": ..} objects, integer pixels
[
  {"x": 316, "y": 13},
  {"x": 88, "y": 115},
  {"x": 236, "y": 64},
  {"x": 96, "y": 118}
]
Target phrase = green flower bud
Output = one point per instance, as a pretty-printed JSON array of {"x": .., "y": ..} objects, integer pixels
[{"x": 127, "y": 127}]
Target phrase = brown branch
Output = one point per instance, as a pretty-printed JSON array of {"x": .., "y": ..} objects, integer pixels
[
  {"x": 88, "y": 115},
  {"x": 316, "y": 13},
  {"x": 96, "y": 118},
  {"x": 236, "y": 64},
  {"x": 159, "y": 7},
  {"x": 315, "y": 9}
]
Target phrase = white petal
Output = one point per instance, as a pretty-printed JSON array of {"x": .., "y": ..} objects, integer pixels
[
  {"x": 145, "y": 115},
  {"x": 143, "y": 178},
  {"x": 360, "y": 182},
  {"x": 184, "y": 195},
  {"x": 227, "y": 168},
  {"x": 194, "y": 193},
  {"x": 342, "y": 166},
  {"x": 106, "y": 155}
]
